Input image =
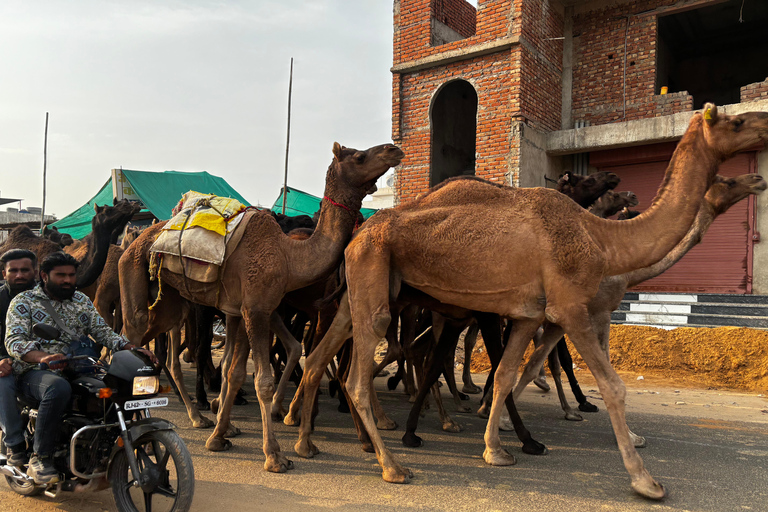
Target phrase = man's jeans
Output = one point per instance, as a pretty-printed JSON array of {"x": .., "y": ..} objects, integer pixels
[
  {"x": 53, "y": 392},
  {"x": 10, "y": 418}
]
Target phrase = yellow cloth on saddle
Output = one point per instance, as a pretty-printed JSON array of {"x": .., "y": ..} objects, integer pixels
[
  {"x": 198, "y": 234},
  {"x": 213, "y": 213}
]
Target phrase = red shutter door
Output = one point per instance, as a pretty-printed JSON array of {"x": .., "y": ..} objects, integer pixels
[{"x": 720, "y": 264}]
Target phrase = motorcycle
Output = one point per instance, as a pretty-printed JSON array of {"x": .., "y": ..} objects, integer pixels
[{"x": 108, "y": 437}]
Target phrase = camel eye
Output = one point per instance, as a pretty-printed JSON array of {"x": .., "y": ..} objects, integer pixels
[
  {"x": 737, "y": 123},
  {"x": 359, "y": 157}
]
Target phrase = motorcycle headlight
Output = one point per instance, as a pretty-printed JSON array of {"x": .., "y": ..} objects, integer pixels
[{"x": 146, "y": 385}]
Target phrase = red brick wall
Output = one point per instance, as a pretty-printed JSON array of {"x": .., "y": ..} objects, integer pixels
[
  {"x": 598, "y": 71},
  {"x": 756, "y": 91},
  {"x": 520, "y": 85},
  {"x": 457, "y": 14}
]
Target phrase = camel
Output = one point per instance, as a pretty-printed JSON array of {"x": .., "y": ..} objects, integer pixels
[
  {"x": 585, "y": 190},
  {"x": 724, "y": 193},
  {"x": 91, "y": 251},
  {"x": 536, "y": 256},
  {"x": 260, "y": 271},
  {"x": 611, "y": 203}
]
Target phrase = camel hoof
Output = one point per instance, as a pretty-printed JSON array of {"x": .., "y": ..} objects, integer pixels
[
  {"x": 397, "y": 475},
  {"x": 305, "y": 449},
  {"x": 368, "y": 447},
  {"x": 637, "y": 441},
  {"x": 412, "y": 400},
  {"x": 392, "y": 383},
  {"x": 411, "y": 440},
  {"x": 573, "y": 416},
  {"x": 541, "y": 383},
  {"x": 471, "y": 389},
  {"x": 343, "y": 405},
  {"x": 215, "y": 406},
  {"x": 484, "y": 411},
  {"x": 499, "y": 457},
  {"x": 647, "y": 487},
  {"x": 588, "y": 407},
  {"x": 463, "y": 396},
  {"x": 217, "y": 444},
  {"x": 452, "y": 426},
  {"x": 277, "y": 463},
  {"x": 240, "y": 400},
  {"x": 232, "y": 431},
  {"x": 202, "y": 422},
  {"x": 291, "y": 421},
  {"x": 203, "y": 405},
  {"x": 533, "y": 447},
  {"x": 277, "y": 416},
  {"x": 505, "y": 424},
  {"x": 386, "y": 424},
  {"x": 464, "y": 409}
]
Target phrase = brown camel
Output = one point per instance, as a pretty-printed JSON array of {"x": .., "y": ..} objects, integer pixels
[
  {"x": 611, "y": 203},
  {"x": 91, "y": 251},
  {"x": 536, "y": 256},
  {"x": 260, "y": 271},
  {"x": 724, "y": 193},
  {"x": 585, "y": 190}
]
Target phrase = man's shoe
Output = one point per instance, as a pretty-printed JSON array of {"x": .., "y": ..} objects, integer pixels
[
  {"x": 41, "y": 470},
  {"x": 17, "y": 456}
]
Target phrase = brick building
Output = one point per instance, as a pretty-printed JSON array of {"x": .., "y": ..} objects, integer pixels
[{"x": 518, "y": 91}]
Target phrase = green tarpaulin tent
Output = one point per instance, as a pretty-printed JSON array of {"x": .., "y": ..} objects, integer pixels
[
  {"x": 158, "y": 191},
  {"x": 301, "y": 203}
]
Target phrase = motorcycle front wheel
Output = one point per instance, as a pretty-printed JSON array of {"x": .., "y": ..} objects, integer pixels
[
  {"x": 164, "y": 457},
  {"x": 23, "y": 488}
]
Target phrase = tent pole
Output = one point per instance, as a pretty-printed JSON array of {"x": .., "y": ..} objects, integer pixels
[
  {"x": 45, "y": 165},
  {"x": 288, "y": 138}
]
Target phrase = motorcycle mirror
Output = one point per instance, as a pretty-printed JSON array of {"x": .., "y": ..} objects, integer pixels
[{"x": 45, "y": 331}]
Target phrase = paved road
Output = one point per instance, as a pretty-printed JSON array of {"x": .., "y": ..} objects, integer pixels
[{"x": 709, "y": 448}]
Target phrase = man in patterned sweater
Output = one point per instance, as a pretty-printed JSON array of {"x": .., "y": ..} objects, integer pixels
[{"x": 75, "y": 310}]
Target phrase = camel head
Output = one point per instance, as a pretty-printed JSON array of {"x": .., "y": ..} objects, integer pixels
[
  {"x": 725, "y": 192},
  {"x": 728, "y": 134},
  {"x": 611, "y": 203},
  {"x": 585, "y": 190},
  {"x": 359, "y": 169}
]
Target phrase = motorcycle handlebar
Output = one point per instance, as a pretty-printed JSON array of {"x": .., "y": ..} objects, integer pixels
[{"x": 45, "y": 366}]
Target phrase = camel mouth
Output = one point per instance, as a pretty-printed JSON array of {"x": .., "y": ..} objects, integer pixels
[
  {"x": 761, "y": 186},
  {"x": 372, "y": 189}
]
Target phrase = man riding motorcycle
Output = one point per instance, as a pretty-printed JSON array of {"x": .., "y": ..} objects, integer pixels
[
  {"x": 54, "y": 301},
  {"x": 18, "y": 268}
]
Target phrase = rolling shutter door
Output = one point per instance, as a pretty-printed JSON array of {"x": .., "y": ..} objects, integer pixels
[{"x": 722, "y": 262}]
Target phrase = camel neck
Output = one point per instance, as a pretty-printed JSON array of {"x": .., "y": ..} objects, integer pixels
[
  {"x": 93, "y": 263},
  {"x": 641, "y": 242},
  {"x": 316, "y": 257},
  {"x": 701, "y": 224}
]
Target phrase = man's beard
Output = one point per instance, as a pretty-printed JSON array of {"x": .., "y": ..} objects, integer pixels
[
  {"x": 59, "y": 292},
  {"x": 17, "y": 288}
]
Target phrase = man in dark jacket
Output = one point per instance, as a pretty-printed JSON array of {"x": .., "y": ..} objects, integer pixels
[{"x": 18, "y": 267}]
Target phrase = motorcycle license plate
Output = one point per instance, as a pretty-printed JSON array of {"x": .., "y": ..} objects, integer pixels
[{"x": 146, "y": 403}]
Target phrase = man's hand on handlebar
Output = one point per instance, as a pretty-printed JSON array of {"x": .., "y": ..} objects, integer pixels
[
  {"x": 51, "y": 359},
  {"x": 144, "y": 351}
]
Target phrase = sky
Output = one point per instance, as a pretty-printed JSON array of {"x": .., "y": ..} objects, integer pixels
[{"x": 189, "y": 85}]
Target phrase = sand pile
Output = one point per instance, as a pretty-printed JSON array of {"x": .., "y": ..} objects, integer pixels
[{"x": 725, "y": 357}]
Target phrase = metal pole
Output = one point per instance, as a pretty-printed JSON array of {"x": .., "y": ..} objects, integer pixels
[
  {"x": 45, "y": 165},
  {"x": 288, "y": 137}
]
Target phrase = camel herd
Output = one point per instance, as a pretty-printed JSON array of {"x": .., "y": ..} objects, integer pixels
[{"x": 519, "y": 264}]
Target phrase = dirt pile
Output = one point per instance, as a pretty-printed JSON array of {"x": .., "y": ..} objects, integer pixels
[{"x": 724, "y": 357}]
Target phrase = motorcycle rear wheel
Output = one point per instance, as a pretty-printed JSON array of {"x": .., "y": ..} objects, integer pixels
[
  {"x": 162, "y": 451},
  {"x": 25, "y": 489}
]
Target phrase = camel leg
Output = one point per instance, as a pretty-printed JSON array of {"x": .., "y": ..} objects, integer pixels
[
  {"x": 257, "y": 329},
  {"x": 293, "y": 348},
  {"x": 470, "y": 339},
  {"x": 522, "y": 332},
  {"x": 614, "y": 393},
  {"x": 547, "y": 341},
  {"x": 394, "y": 350},
  {"x": 383, "y": 422},
  {"x": 444, "y": 344},
  {"x": 554, "y": 368},
  {"x": 314, "y": 366},
  {"x": 566, "y": 362},
  {"x": 197, "y": 419},
  {"x": 369, "y": 304},
  {"x": 233, "y": 371}
]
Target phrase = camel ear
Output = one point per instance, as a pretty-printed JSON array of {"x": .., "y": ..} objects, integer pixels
[
  {"x": 710, "y": 113},
  {"x": 337, "y": 150}
]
